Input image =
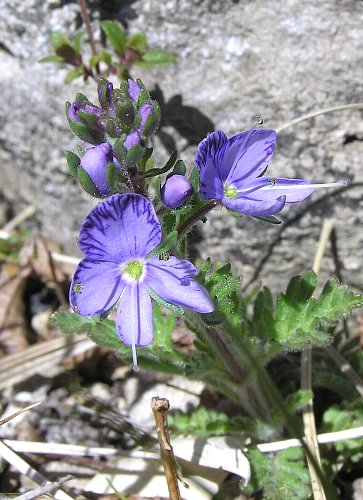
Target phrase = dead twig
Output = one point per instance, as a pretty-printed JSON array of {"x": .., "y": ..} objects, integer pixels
[{"x": 160, "y": 407}]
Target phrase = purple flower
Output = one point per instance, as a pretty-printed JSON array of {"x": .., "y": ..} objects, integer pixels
[
  {"x": 116, "y": 239},
  {"x": 132, "y": 139},
  {"x": 88, "y": 108},
  {"x": 231, "y": 170},
  {"x": 94, "y": 162},
  {"x": 134, "y": 89},
  {"x": 176, "y": 191}
]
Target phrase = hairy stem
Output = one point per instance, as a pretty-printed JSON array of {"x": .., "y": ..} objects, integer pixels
[{"x": 193, "y": 219}]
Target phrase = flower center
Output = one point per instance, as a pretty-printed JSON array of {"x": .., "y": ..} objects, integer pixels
[
  {"x": 230, "y": 192},
  {"x": 133, "y": 270}
]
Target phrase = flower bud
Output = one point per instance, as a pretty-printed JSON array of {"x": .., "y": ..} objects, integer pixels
[
  {"x": 150, "y": 117},
  {"x": 84, "y": 121},
  {"x": 105, "y": 92},
  {"x": 176, "y": 191},
  {"x": 132, "y": 139},
  {"x": 94, "y": 162},
  {"x": 134, "y": 89},
  {"x": 76, "y": 106}
]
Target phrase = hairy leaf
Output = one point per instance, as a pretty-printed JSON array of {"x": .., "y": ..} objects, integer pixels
[
  {"x": 301, "y": 320},
  {"x": 280, "y": 476}
]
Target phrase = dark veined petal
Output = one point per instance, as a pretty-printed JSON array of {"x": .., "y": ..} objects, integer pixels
[
  {"x": 119, "y": 228},
  {"x": 134, "y": 321},
  {"x": 172, "y": 280},
  {"x": 256, "y": 147},
  {"x": 96, "y": 287},
  {"x": 208, "y": 159},
  {"x": 249, "y": 205}
]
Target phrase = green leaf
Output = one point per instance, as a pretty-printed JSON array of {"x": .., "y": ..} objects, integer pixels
[
  {"x": 270, "y": 219},
  {"x": 115, "y": 35},
  {"x": 58, "y": 40},
  {"x": 297, "y": 400},
  {"x": 158, "y": 171},
  {"x": 342, "y": 417},
  {"x": 137, "y": 42},
  {"x": 74, "y": 74},
  {"x": 64, "y": 48},
  {"x": 101, "y": 56},
  {"x": 77, "y": 41},
  {"x": 51, "y": 59},
  {"x": 153, "y": 58},
  {"x": 69, "y": 322},
  {"x": 301, "y": 320},
  {"x": 179, "y": 168},
  {"x": 281, "y": 476},
  {"x": 200, "y": 423}
]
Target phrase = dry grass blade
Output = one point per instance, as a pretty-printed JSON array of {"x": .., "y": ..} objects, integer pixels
[
  {"x": 7, "y": 419},
  {"x": 19, "y": 366},
  {"x": 46, "y": 489},
  {"x": 24, "y": 468}
]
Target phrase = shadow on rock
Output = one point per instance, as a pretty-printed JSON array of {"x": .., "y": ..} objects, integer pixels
[{"x": 188, "y": 121}]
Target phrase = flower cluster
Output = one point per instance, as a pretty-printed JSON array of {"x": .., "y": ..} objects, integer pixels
[
  {"x": 119, "y": 236},
  {"x": 116, "y": 133}
]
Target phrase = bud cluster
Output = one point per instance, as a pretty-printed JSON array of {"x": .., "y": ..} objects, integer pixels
[{"x": 116, "y": 133}]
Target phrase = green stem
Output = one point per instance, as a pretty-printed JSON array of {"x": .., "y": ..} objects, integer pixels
[{"x": 193, "y": 219}]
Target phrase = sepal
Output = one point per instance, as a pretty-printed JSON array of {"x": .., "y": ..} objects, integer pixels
[
  {"x": 73, "y": 162},
  {"x": 134, "y": 155},
  {"x": 87, "y": 184},
  {"x": 85, "y": 132},
  {"x": 120, "y": 152},
  {"x": 111, "y": 175},
  {"x": 152, "y": 121}
]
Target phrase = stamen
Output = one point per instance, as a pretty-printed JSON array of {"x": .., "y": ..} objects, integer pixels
[
  {"x": 291, "y": 187},
  {"x": 134, "y": 357}
]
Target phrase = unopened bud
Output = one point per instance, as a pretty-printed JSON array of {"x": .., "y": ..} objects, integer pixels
[{"x": 176, "y": 190}]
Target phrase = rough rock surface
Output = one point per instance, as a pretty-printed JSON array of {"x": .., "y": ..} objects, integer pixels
[{"x": 236, "y": 60}]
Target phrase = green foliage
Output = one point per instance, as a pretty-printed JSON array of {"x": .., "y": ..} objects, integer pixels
[
  {"x": 301, "y": 320},
  {"x": 153, "y": 58},
  {"x": 347, "y": 415},
  {"x": 129, "y": 50},
  {"x": 280, "y": 476},
  {"x": 137, "y": 42},
  {"x": 115, "y": 35},
  {"x": 201, "y": 422}
]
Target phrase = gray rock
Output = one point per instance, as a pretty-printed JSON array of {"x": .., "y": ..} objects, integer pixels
[{"x": 236, "y": 60}]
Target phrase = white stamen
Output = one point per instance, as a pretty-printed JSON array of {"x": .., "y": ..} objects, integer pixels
[
  {"x": 302, "y": 186},
  {"x": 134, "y": 357}
]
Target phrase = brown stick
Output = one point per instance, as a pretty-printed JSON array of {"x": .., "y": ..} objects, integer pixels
[
  {"x": 160, "y": 407},
  {"x": 87, "y": 22}
]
